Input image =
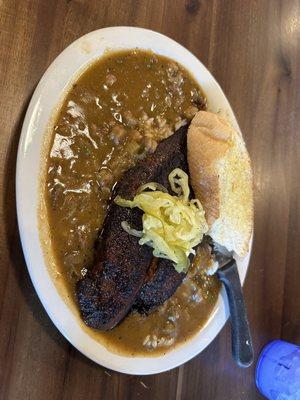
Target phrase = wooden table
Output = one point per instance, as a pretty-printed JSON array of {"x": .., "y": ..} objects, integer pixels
[{"x": 253, "y": 49}]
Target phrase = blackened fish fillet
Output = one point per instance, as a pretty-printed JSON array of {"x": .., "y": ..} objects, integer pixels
[{"x": 119, "y": 278}]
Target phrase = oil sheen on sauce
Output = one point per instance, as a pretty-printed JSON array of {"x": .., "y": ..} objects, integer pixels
[{"x": 114, "y": 114}]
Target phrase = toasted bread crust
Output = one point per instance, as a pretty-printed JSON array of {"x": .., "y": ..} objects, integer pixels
[{"x": 221, "y": 177}]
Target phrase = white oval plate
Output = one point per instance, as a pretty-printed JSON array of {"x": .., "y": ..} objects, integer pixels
[{"x": 47, "y": 95}]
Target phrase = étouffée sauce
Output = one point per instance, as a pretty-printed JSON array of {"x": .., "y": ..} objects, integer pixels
[{"x": 116, "y": 113}]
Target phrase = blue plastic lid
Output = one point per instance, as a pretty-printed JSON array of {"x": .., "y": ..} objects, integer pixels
[{"x": 278, "y": 371}]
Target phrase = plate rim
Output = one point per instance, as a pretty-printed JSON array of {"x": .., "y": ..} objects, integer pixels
[{"x": 27, "y": 134}]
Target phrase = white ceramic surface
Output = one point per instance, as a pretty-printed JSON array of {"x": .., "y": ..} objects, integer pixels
[{"x": 46, "y": 96}]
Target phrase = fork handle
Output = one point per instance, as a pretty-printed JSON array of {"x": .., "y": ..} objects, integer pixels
[{"x": 242, "y": 349}]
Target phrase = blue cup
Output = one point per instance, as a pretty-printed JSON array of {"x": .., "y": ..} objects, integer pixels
[{"x": 278, "y": 371}]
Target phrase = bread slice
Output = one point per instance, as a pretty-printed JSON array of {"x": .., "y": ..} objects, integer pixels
[{"x": 221, "y": 177}]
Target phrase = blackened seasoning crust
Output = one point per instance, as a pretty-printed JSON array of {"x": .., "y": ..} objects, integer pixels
[
  {"x": 119, "y": 278},
  {"x": 159, "y": 287},
  {"x": 163, "y": 280}
]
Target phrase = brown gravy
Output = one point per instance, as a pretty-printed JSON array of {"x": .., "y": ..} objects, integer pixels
[{"x": 115, "y": 113}]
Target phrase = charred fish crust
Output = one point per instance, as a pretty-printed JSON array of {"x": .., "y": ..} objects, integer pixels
[
  {"x": 159, "y": 287},
  {"x": 119, "y": 278}
]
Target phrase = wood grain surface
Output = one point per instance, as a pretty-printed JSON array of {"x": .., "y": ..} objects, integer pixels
[{"x": 253, "y": 49}]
